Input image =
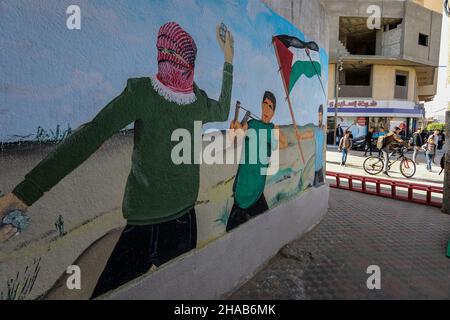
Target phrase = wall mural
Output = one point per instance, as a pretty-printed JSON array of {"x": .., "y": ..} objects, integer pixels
[{"x": 151, "y": 78}]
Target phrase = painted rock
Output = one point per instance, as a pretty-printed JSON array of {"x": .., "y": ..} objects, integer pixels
[{"x": 18, "y": 219}]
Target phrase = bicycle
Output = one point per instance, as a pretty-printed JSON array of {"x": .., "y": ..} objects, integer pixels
[{"x": 374, "y": 165}]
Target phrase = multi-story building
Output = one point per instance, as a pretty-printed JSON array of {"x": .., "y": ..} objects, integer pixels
[{"x": 384, "y": 54}]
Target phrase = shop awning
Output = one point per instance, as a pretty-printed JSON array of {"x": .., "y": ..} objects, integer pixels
[{"x": 378, "y": 112}]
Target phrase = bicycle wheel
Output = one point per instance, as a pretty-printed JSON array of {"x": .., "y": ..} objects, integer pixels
[
  {"x": 407, "y": 168},
  {"x": 373, "y": 165}
]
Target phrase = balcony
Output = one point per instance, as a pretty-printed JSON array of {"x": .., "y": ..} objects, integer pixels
[{"x": 350, "y": 91}]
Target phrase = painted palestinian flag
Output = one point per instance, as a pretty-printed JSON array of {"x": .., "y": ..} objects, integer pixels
[{"x": 296, "y": 58}]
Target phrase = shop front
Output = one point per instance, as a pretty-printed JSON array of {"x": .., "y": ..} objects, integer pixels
[{"x": 359, "y": 116}]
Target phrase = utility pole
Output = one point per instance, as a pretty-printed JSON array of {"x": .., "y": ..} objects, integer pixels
[
  {"x": 338, "y": 68},
  {"x": 446, "y": 197}
]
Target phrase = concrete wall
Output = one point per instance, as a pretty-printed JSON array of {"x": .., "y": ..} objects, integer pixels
[
  {"x": 331, "y": 80},
  {"x": 222, "y": 266},
  {"x": 356, "y": 8},
  {"x": 418, "y": 18},
  {"x": 421, "y": 20},
  {"x": 309, "y": 16},
  {"x": 179, "y": 280},
  {"x": 429, "y": 90},
  {"x": 384, "y": 82},
  {"x": 89, "y": 199},
  {"x": 392, "y": 42}
]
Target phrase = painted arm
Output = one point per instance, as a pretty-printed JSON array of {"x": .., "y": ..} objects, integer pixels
[
  {"x": 218, "y": 111},
  {"x": 305, "y": 135},
  {"x": 76, "y": 148},
  {"x": 237, "y": 129},
  {"x": 281, "y": 137}
]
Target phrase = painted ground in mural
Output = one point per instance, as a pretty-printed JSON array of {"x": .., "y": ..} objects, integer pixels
[{"x": 276, "y": 73}]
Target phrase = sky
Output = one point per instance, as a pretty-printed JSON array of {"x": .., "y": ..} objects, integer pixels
[{"x": 50, "y": 75}]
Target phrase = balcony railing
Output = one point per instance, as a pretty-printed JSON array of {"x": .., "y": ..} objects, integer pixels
[
  {"x": 355, "y": 91},
  {"x": 401, "y": 92}
]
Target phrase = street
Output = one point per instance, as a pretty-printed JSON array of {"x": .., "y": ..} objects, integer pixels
[
  {"x": 355, "y": 166},
  {"x": 406, "y": 241}
]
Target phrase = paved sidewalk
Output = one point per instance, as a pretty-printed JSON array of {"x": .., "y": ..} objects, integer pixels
[
  {"x": 355, "y": 166},
  {"x": 407, "y": 241}
]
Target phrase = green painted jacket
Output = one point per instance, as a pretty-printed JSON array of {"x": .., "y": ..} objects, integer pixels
[
  {"x": 157, "y": 190},
  {"x": 250, "y": 182}
]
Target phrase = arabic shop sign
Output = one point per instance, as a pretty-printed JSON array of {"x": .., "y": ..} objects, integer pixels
[{"x": 354, "y": 104}]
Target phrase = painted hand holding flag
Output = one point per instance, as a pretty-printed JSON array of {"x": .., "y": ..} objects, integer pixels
[{"x": 296, "y": 58}]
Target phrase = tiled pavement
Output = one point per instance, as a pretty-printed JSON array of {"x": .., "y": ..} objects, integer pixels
[{"x": 407, "y": 241}]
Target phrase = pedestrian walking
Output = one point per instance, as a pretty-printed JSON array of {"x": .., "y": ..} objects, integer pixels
[
  {"x": 417, "y": 144},
  {"x": 381, "y": 133},
  {"x": 339, "y": 134},
  {"x": 424, "y": 136},
  {"x": 440, "y": 142},
  {"x": 435, "y": 137},
  {"x": 431, "y": 151},
  {"x": 345, "y": 144},
  {"x": 368, "y": 142}
]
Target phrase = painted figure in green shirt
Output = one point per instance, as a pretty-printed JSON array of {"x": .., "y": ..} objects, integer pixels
[
  {"x": 260, "y": 137},
  {"x": 159, "y": 196},
  {"x": 319, "y": 135}
]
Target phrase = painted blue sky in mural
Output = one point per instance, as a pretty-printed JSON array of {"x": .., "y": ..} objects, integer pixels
[{"x": 51, "y": 75}]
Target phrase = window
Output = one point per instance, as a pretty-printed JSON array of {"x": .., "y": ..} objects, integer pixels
[
  {"x": 356, "y": 80},
  {"x": 355, "y": 36},
  {"x": 401, "y": 85},
  {"x": 357, "y": 76},
  {"x": 423, "y": 40},
  {"x": 401, "y": 80}
]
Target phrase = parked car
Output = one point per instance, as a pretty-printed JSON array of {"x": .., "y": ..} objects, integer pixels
[{"x": 359, "y": 143}]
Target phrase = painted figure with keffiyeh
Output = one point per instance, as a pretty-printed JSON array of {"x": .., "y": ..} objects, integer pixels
[{"x": 159, "y": 198}]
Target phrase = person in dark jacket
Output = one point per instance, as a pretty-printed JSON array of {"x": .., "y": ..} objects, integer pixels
[
  {"x": 424, "y": 136},
  {"x": 339, "y": 133},
  {"x": 391, "y": 140},
  {"x": 345, "y": 144},
  {"x": 440, "y": 143},
  {"x": 442, "y": 164},
  {"x": 368, "y": 142},
  {"x": 417, "y": 143}
]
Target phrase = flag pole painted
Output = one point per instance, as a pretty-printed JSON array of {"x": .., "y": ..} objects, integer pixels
[
  {"x": 286, "y": 88},
  {"x": 318, "y": 75}
]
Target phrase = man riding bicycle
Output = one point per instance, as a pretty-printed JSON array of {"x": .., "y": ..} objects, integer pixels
[{"x": 391, "y": 141}]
